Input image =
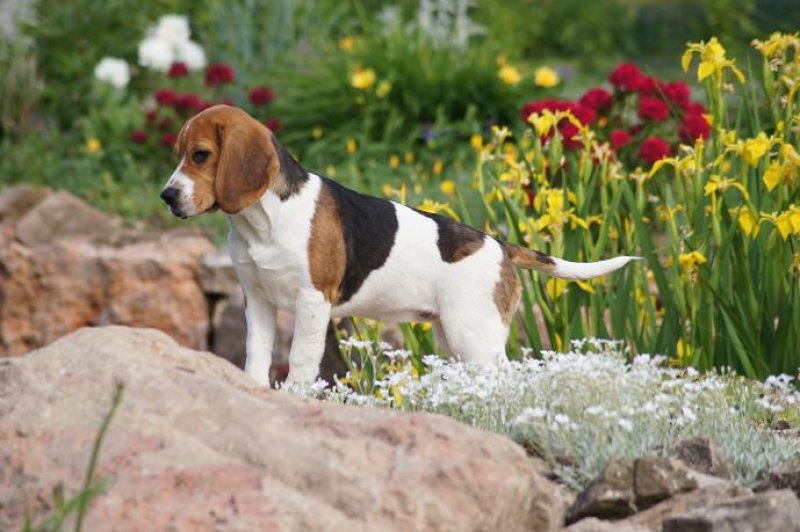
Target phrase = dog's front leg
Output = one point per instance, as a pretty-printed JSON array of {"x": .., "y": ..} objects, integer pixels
[
  {"x": 312, "y": 314},
  {"x": 260, "y": 316}
]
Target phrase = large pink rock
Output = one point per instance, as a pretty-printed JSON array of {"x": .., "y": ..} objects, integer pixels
[
  {"x": 49, "y": 290},
  {"x": 197, "y": 445}
]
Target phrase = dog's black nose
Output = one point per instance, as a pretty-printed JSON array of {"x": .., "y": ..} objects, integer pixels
[{"x": 169, "y": 195}]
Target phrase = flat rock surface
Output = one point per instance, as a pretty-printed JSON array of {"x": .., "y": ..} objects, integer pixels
[{"x": 197, "y": 445}]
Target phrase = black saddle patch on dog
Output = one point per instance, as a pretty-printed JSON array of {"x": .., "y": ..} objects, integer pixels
[
  {"x": 456, "y": 240},
  {"x": 370, "y": 227}
]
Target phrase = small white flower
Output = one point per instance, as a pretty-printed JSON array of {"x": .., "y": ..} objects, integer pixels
[
  {"x": 172, "y": 28},
  {"x": 156, "y": 54},
  {"x": 191, "y": 54},
  {"x": 561, "y": 419},
  {"x": 625, "y": 424},
  {"x": 113, "y": 71}
]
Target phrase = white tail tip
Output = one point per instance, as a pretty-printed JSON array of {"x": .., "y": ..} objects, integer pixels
[{"x": 579, "y": 271}]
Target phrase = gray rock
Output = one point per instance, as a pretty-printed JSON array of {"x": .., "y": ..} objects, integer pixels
[
  {"x": 774, "y": 511},
  {"x": 216, "y": 274},
  {"x": 702, "y": 454},
  {"x": 609, "y": 496},
  {"x": 658, "y": 478},
  {"x": 787, "y": 476}
]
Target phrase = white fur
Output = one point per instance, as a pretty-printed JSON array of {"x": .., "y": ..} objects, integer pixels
[
  {"x": 579, "y": 271},
  {"x": 185, "y": 206}
]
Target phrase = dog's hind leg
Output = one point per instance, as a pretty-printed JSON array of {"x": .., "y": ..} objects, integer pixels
[{"x": 477, "y": 339}]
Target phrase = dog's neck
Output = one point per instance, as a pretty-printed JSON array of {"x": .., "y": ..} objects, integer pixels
[{"x": 254, "y": 223}]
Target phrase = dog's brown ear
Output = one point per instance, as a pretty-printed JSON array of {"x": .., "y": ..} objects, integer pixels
[{"x": 247, "y": 164}]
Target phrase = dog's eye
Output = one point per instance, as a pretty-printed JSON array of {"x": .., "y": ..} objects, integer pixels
[{"x": 200, "y": 156}]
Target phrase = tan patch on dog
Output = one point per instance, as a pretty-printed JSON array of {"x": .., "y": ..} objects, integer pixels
[
  {"x": 529, "y": 258},
  {"x": 327, "y": 257},
  {"x": 508, "y": 289}
]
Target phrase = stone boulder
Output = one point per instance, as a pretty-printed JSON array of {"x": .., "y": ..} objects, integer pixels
[{"x": 197, "y": 445}]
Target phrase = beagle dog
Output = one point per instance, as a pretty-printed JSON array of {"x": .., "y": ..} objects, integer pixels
[{"x": 304, "y": 243}]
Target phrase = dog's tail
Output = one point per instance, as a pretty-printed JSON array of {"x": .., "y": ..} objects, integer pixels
[{"x": 563, "y": 269}]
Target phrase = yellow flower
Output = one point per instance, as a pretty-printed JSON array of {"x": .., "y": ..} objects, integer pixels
[
  {"x": 546, "y": 77},
  {"x": 712, "y": 61},
  {"x": 747, "y": 222},
  {"x": 555, "y": 287},
  {"x": 317, "y": 132},
  {"x": 363, "y": 79},
  {"x": 93, "y": 145},
  {"x": 772, "y": 177},
  {"x": 383, "y": 88},
  {"x": 717, "y": 184},
  {"x": 689, "y": 261},
  {"x": 387, "y": 190},
  {"x": 346, "y": 44},
  {"x": 330, "y": 171},
  {"x": 409, "y": 157},
  {"x": 755, "y": 148},
  {"x": 542, "y": 123},
  {"x": 394, "y": 161},
  {"x": 509, "y": 75},
  {"x": 438, "y": 166},
  {"x": 352, "y": 145},
  {"x": 435, "y": 207},
  {"x": 448, "y": 187},
  {"x": 684, "y": 353},
  {"x": 476, "y": 141}
]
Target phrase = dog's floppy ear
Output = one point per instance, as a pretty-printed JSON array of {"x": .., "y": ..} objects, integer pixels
[{"x": 247, "y": 164}]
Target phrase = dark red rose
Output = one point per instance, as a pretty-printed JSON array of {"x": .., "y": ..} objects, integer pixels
[
  {"x": 648, "y": 86},
  {"x": 168, "y": 140},
  {"x": 635, "y": 129},
  {"x": 165, "y": 124},
  {"x": 166, "y": 97},
  {"x": 189, "y": 101},
  {"x": 597, "y": 98},
  {"x": 273, "y": 123},
  {"x": 653, "y": 108},
  {"x": 678, "y": 93},
  {"x": 693, "y": 127},
  {"x": 203, "y": 105},
  {"x": 138, "y": 136},
  {"x": 694, "y": 108},
  {"x": 261, "y": 96},
  {"x": 626, "y": 77},
  {"x": 619, "y": 138},
  {"x": 219, "y": 74},
  {"x": 654, "y": 149},
  {"x": 178, "y": 70},
  {"x": 569, "y": 131},
  {"x": 150, "y": 117}
]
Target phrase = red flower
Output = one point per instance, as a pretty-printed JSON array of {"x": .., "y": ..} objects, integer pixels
[
  {"x": 619, "y": 138},
  {"x": 189, "y": 101},
  {"x": 693, "y": 127},
  {"x": 178, "y": 70},
  {"x": 138, "y": 136},
  {"x": 150, "y": 117},
  {"x": 652, "y": 108},
  {"x": 273, "y": 123},
  {"x": 597, "y": 98},
  {"x": 678, "y": 93},
  {"x": 261, "y": 95},
  {"x": 569, "y": 131},
  {"x": 219, "y": 74},
  {"x": 648, "y": 86},
  {"x": 168, "y": 140},
  {"x": 694, "y": 108},
  {"x": 654, "y": 149},
  {"x": 166, "y": 97},
  {"x": 626, "y": 76},
  {"x": 165, "y": 124}
]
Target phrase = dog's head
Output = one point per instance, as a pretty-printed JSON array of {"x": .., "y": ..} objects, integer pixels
[{"x": 227, "y": 161}]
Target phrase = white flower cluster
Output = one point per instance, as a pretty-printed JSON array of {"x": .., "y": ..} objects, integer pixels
[
  {"x": 114, "y": 71},
  {"x": 169, "y": 42},
  {"x": 583, "y": 407}
]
